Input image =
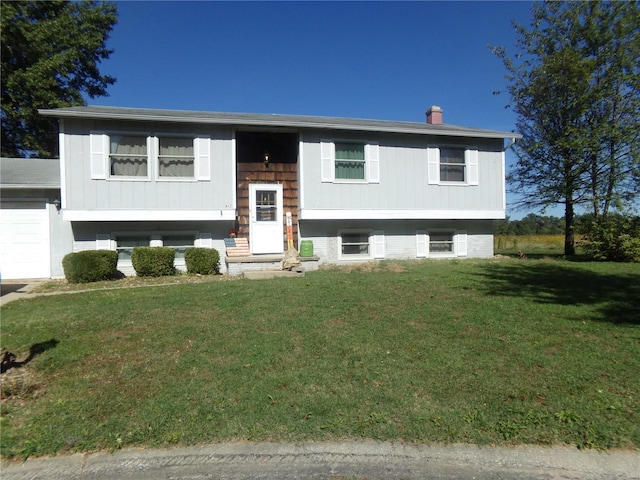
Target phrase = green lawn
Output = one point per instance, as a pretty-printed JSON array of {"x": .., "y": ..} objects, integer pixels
[{"x": 490, "y": 352}]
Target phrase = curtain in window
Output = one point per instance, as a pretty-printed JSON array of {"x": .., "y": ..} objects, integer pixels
[
  {"x": 350, "y": 161},
  {"x": 452, "y": 164},
  {"x": 128, "y": 156},
  {"x": 176, "y": 157}
]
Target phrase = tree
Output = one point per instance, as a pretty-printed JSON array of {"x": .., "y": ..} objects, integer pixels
[
  {"x": 575, "y": 87},
  {"x": 50, "y": 56}
]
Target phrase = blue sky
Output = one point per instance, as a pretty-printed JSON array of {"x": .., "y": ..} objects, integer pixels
[{"x": 378, "y": 60}]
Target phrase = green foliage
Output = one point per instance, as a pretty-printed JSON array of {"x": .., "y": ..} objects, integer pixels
[
  {"x": 614, "y": 238},
  {"x": 532, "y": 224},
  {"x": 575, "y": 87},
  {"x": 203, "y": 261},
  {"x": 50, "y": 56},
  {"x": 153, "y": 261},
  {"x": 90, "y": 266}
]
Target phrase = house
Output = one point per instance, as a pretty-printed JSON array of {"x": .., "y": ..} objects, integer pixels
[
  {"x": 32, "y": 234},
  {"x": 357, "y": 189}
]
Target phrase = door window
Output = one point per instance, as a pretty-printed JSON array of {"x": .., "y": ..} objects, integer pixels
[{"x": 266, "y": 206}]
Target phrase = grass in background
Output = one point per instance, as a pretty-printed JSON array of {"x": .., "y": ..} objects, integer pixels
[
  {"x": 437, "y": 351},
  {"x": 552, "y": 245}
]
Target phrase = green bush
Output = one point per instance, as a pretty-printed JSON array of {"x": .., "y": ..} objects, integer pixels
[
  {"x": 90, "y": 266},
  {"x": 203, "y": 261},
  {"x": 153, "y": 261},
  {"x": 616, "y": 239}
]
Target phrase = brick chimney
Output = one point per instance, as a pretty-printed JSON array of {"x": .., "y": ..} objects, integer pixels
[{"x": 434, "y": 115}]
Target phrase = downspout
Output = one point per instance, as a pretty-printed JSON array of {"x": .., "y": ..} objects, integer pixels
[{"x": 511, "y": 143}]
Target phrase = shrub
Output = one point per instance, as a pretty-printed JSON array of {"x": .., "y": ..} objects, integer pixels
[
  {"x": 90, "y": 266},
  {"x": 153, "y": 261},
  {"x": 615, "y": 239},
  {"x": 203, "y": 261}
]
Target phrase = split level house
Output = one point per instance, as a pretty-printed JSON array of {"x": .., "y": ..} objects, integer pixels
[{"x": 353, "y": 189}]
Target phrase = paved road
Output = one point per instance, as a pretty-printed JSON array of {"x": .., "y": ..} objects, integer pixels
[{"x": 334, "y": 461}]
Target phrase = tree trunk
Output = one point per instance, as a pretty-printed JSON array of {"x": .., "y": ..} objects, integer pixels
[{"x": 569, "y": 238}]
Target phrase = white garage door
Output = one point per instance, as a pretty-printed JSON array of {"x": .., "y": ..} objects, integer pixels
[{"x": 24, "y": 240}]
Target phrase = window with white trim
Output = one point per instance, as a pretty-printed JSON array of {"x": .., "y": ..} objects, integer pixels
[
  {"x": 349, "y": 161},
  {"x": 452, "y": 165},
  {"x": 355, "y": 245},
  {"x": 178, "y": 242},
  {"x": 176, "y": 157},
  {"x": 441, "y": 243},
  {"x": 361, "y": 244},
  {"x": 128, "y": 156},
  {"x": 141, "y": 156}
]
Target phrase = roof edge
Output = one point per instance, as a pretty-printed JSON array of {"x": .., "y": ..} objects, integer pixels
[{"x": 270, "y": 120}]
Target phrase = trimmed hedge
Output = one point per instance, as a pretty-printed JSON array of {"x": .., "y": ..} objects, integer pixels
[
  {"x": 203, "y": 261},
  {"x": 153, "y": 261},
  {"x": 90, "y": 266}
]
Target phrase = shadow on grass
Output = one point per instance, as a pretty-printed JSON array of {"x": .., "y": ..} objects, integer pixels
[
  {"x": 614, "y": 297},
  {"x": 9, "y": 360}
]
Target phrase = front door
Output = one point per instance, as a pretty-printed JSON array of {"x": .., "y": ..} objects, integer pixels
[{"x": 265, "y": 218}]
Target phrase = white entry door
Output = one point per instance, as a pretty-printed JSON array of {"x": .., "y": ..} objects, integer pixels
[{"x": 265, "y": 218}]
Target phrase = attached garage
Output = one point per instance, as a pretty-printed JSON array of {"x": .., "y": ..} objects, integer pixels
[
  {"x": 24, "y": 240},
  {"x": 29, "y": 194}
]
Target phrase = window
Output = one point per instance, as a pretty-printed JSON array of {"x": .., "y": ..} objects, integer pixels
[
  {"x": 128, "y": 156},
  {"x": 350, "y": 163},
  {"x": 125, "y": 245},
  {"x": 266, "y": 205},
  {"x": 452, "y": 165},
  {"x": 176, "y": 157},
  {"x": 355, "y": 244},
  {"x": 139, "y": 156},
  {"x": 179, "y": 243},
  {"x": 441, "y": 242}
]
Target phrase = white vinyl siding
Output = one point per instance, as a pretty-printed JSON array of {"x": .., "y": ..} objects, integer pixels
[{"x": 349, "y": 162}]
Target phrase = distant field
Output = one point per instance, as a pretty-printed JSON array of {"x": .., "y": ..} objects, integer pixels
[{"x": 529, "y": 244}]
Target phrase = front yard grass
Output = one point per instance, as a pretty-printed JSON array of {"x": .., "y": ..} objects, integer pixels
[{"x": 489, "y": 352}]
